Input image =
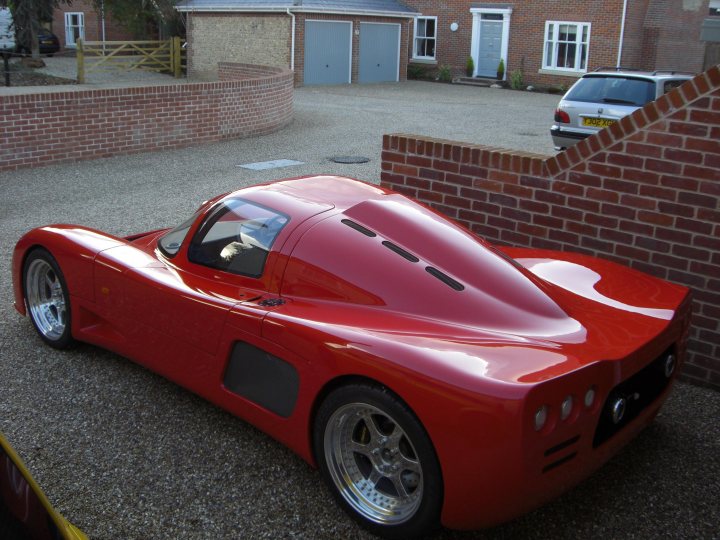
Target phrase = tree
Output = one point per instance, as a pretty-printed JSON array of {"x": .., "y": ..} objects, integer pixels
[
  {"x": 141, "y": 17},
  {"x": 28, "y": 14}
]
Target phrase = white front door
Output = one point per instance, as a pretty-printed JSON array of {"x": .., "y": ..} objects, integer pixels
[{"x": 74, "y": 29}]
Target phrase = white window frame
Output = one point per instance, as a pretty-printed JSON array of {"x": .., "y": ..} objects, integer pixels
[
  {"x": 416, "y": 56},
  {"x": 551, "y": 63},
  {"x": 70, "y": 41}
]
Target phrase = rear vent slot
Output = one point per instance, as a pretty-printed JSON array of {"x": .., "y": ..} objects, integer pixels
[
  {"x": 562, "y": 446},
  {"x": 447, "y": 280},
  {"x": 400, "y": 251},
  {"x": 561, "y": 461},
  {"x": 359, "y": 228}
]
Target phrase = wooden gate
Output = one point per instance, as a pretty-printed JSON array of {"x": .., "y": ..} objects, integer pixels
[{"x": 160, "y": 56}]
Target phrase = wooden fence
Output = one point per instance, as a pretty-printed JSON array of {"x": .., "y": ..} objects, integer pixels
[{"x": 161, "y": 56}]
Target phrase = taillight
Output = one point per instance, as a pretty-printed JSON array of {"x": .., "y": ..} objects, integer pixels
[{"x": 561, "y": 116}]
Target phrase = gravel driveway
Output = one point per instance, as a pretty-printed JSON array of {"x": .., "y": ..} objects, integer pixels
[{"x": 127, "y": 455}]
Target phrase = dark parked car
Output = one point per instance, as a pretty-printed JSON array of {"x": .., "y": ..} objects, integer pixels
[{"x": 49, "y": 43}]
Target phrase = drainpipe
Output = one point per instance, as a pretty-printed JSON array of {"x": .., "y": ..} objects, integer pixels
[
  {"x": 292, "y": 41},
  {"x": 622, "y": 33}
]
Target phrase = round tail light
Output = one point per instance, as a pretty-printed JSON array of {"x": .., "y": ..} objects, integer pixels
[
  {"x": 590, "y": 397},
  {"x": 566, "y": 408},
  {"x": 541, "y": 416}
]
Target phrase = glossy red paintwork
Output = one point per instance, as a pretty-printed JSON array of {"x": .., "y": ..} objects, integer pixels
[{"x": 529, "y": 328}]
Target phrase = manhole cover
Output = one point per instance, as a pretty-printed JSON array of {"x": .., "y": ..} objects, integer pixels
[{"x": 349, "y": 159}]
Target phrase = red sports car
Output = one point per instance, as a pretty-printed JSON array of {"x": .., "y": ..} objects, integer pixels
[{"x": 431, "y": 376}]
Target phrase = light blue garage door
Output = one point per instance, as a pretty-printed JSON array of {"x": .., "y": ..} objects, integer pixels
[
  {"x": 327, "y": 52},
  {"x": 379, "y": 52}
]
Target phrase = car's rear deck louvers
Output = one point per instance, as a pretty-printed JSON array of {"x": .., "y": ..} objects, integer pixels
[
  {"x": 358, "y": 228},
  {"x": 447, "y": 280},
  {"x": 400, "y": 251}
]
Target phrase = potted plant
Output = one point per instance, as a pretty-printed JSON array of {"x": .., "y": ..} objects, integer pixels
[
  {"x": 469, "y": 67},
  {"x": 501, "y": 70}
]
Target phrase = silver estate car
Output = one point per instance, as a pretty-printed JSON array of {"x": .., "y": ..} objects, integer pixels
[{"x": 603, "y": 97}]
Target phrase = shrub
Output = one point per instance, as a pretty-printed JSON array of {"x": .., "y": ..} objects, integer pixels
[
  {"x": 444, "y": 74},
  {"x": 516, "y": 80},
  {"x": 469, "y": 67},
  {"x": 415, "y": 71}
]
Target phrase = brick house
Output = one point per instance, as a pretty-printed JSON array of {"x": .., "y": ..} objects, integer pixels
[
  {"x": 81, "y": 19},
  {"x": 323, "y": 41},
  {"x": 551, "y": 43}
]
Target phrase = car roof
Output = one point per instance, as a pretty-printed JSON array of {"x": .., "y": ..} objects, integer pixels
[
  {"x": 304, "y": 196},
  {"x": 655, "y": 75}
]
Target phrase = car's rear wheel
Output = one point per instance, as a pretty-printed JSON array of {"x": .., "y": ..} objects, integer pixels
[
  {"x": 379, "y": 462},
  {"x": 47, "y": 298}
]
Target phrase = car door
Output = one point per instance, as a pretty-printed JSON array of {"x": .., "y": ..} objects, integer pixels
[
  {"x": 160, "y": 315},
  {"x": 168, "y": 312}
]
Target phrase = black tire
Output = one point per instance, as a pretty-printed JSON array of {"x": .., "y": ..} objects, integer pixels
[
  {"x": 47, "y": 299},
  {"x": 378, "y": 461}
]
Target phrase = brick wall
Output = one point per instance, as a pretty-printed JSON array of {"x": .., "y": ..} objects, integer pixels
[
  {"x": 636, "y": 39},
  {"x": 45, "y": 128},
  {"x": 235, "y": 37},
  {"x": 644, "y": 192},
  {"x": 673, "y": 30}
]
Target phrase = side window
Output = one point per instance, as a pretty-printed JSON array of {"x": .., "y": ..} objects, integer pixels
[
  {"x": 237, "y": 237},
  {"x": 670, "y": 85},
  {"x": 424, "y": 44}
]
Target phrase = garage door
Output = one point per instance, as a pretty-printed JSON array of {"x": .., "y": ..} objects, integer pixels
[
  {"x": 379, "y": 52},
  {"x": 327, "y": 52}
]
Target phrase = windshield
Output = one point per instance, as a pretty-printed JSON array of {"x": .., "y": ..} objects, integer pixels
[
  {"x": 171, "y": 242},
  {"x": 613, "y": 90}
]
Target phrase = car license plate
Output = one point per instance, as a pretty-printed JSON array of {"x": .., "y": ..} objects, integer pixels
[{"x": 597, "y": 122}]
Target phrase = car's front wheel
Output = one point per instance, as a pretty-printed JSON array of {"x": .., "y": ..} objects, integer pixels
[
  {"x": 47, "y": 298},
  {"x": 379, "y": 462}
]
